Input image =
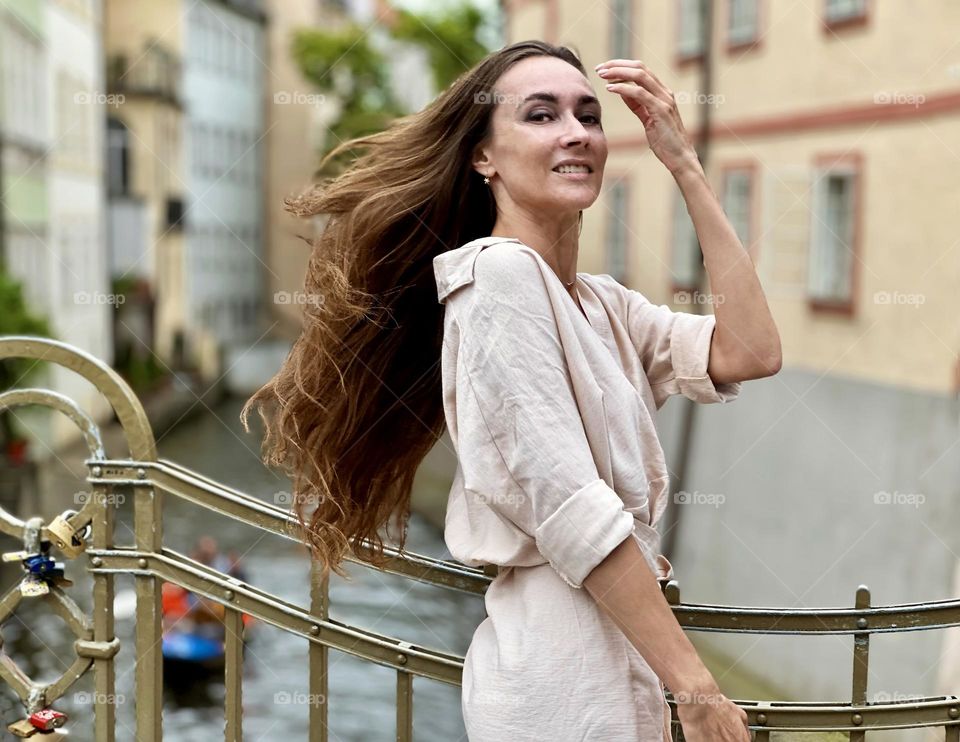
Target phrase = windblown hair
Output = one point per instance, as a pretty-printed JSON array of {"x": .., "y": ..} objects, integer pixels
[{"x": 356, "y": 405}]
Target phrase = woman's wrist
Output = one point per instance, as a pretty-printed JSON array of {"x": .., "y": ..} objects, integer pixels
[
  {"x": 689, "y": 166},
  {"x": 697, "y": 690}
]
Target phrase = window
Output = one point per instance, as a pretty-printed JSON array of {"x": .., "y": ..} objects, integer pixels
[
  {"x": 742, "y": 22},
  {"x": 830, "y": 269},
  {"x": 621, "y": 29},
  {"x": 23, "y": 84},
  {"x": 736, "y": 202},
  {"x": 618, "y": 239},
  {"x": 118, "y": 158},
  {"x": 690, "y": 43},
  {"x": 685, "y": 257},
  {"x": 842, "y": 10}
]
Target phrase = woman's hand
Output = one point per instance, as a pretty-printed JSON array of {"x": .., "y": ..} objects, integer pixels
[
  {"x": 656, "y": 107},
  {"x": 711, "y": 718}
]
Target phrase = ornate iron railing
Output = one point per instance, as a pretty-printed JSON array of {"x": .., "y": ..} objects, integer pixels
[{"x": 88, "y": 534}]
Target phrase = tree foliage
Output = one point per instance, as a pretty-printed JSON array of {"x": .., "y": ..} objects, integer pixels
[
  {"x": 346, "y": 65},
  {"x": 16, "y": 319}
]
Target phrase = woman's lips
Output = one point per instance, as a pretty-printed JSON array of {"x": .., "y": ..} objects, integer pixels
[{"x": 572, "y": 176}]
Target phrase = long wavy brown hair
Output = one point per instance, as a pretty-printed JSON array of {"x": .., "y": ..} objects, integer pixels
[{"x": 356, "y": 405}]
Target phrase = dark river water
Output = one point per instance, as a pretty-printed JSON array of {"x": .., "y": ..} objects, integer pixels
[{"x": 275, "y": 683}]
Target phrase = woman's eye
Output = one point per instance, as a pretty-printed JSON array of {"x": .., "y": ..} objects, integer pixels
[{"x": 535, "y": 116}]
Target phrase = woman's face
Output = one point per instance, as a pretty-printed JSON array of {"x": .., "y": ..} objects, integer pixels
[{"x": 531, "y": 134}]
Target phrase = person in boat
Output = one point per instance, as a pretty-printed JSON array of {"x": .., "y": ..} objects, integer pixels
[{"x": 178, "y": 602}]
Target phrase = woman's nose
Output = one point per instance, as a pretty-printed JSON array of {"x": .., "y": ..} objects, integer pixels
[{"x": 575, "y": 129}]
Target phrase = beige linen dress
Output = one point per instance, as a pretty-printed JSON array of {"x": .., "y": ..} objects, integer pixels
[{"x": 550, "y": 412}]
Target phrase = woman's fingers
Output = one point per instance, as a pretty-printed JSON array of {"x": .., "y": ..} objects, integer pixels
[
  {"x": 635, "y": 63},
  {"x": 641, "y": 77}
]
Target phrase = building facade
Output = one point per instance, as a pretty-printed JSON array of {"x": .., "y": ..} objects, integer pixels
[
  {"x": 187, "y": 170},
  {"x": 225, "y": 98},
  {"x": 835, "y": 160},
  {"x": 52, "y": 124}
]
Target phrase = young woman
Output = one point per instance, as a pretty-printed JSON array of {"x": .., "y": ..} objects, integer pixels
[{"x": 547, "y": 380}]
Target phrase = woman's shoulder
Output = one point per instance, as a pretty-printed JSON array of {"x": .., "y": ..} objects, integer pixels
[{"x": 487, "y": 261}]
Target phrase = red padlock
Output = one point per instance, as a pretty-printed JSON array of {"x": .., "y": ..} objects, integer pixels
[{"x": 48, "y": 719}]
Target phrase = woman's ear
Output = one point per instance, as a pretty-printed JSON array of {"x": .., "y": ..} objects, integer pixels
[{"x": 481, "y": 161}]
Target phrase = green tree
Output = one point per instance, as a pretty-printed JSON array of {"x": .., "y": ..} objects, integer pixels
[
  {"x": 16, "y": 319},
  {"x": 344, "y": 64}
]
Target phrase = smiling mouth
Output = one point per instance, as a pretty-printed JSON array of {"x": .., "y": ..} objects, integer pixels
[{"x": 570, "y": 171}]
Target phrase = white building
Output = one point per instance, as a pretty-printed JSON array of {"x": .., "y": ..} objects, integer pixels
[
  {"x": 53, "y": 96},
  {"x": 224, "y": 99}
]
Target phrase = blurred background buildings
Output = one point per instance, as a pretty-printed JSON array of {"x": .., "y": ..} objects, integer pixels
[{"x": 146, "y": 147}]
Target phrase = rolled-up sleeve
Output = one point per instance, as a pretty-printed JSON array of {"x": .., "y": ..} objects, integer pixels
[
  {"x": 514, "y": 392},
  {"x": 674, "y": 348}
]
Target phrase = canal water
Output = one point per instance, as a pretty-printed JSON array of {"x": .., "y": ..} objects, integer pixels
[{"x": 275, "y": 684}]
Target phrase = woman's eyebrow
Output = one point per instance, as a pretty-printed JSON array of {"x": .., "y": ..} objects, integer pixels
[{"x": 551, "y": 98}]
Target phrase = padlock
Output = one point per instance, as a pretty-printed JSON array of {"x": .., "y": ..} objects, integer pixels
[
  {"x": 32, "y": 587},
  {"x": 65, "y": 538},
  {"x": 22, "y": 728},
  {"x": 39, "y": 564},
  {"x": 47, "y": 719},
  {"x": 25, "y": 729}
]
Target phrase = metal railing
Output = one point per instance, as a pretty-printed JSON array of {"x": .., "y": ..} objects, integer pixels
[{"x": 151, "y": 565}]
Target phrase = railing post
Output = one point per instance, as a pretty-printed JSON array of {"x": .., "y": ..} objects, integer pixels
[
  {"x": 861, "y": 659},
  {"x": 148, "y": 527},
  {"x": 319, "y": 655},
  {"x": 104, "y": 669},
  {"x": 404, "y": 706},
  {"x": 671, "y": 591},
  {"x": 233, "y": 675}
]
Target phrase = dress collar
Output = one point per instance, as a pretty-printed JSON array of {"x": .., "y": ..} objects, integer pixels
[{"x": 454, "y": 268}]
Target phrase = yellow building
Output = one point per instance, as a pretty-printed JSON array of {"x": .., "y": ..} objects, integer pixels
[
  {"x": 830, "y": 132},
  {"x": 143, "y": 47},
  {"x": 821, "y": 142}
]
